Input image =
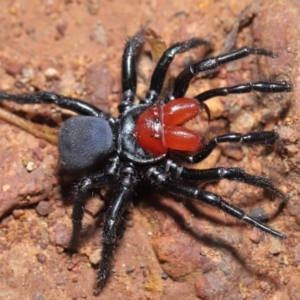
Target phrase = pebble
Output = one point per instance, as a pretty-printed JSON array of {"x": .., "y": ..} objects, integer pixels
[
  {"x": 275, "y": 247},
  {"x": 41, "y": 258},
  {"x": 292, "y": 150},
  {"x": 255, "y": 235},
  {"x": 130, "y": 270},
  {"x": 30, "y": 166},
  {"x": 259, "y": 214},
  {"x": 17, "y": 213},
  {"x": 28, "y": 74},
  {"x": 51, "y": 73},
  {"x": 95, "y": 257},
  {"x": 44, "y": 208}
]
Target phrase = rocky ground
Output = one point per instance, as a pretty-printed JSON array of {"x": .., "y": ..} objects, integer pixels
[{"x": 172, "y": 248}]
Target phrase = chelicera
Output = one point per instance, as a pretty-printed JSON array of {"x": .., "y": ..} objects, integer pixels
[{"x": 147, "y": 142}]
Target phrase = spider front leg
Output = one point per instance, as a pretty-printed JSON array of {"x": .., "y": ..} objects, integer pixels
[
  {"x": 99, "y": 179},
  {"x": 116, "y": 208},
  {"x": 129, "y": 77},
  {"x": 216, "y": 174},
  {"x": 43, "y": 97},
  {"x": 252, "y": 138},
  {"x": 160, "y": 71},
  {"x": 183, "y": 79},
  {"x": 177, "y": 188},
  {"x": 260, "y": 86}
]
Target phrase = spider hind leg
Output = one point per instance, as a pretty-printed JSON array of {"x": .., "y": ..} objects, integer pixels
[
  {"x": 179, "y": 189},
  {"x": 98, "y": 179},
  {"x": 115, "y": 211},
  {"x": 215, "y": 174}
]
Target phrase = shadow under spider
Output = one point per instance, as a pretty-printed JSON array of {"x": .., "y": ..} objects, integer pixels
[{"x": 209, "y": 239}]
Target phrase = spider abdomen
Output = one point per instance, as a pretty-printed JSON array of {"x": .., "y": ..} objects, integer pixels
[
  {"x": 159, "y": 127},
  {"x": 84, "y": 142}
]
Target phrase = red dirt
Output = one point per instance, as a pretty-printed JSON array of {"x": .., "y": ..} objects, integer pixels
[{"x": 171, "y": 249}]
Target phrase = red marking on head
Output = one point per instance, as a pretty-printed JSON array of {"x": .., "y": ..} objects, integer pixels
[{"x": 159, "y": 127}]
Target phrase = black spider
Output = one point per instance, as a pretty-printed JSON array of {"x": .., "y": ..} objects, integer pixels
[{"x": 146, "y": 142}]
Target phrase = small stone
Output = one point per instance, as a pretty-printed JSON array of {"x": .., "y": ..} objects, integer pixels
[
  {"x": 130, "y": 270},
  {"x": 292, "y": 150},
  {"x": 259, "y": 214},
  {"x": 288, "y": 135},
  {"x": 17, "y": 213},
  {"x": 275, "y": 248},
  {"x": 44, "y": 208},
  {"x": 28, "y": 74},
  {"x": 61, "y": 27},
  {"x": 31, "y": 166},
  {"x": 255, "y": 235},
  {"x": 95, "y": 257},
  {"x": 41, "y": 258},
  {"x": 61, "y": 236},
  {"x": 71, "y": 266},
  {"x": 5, "y": 187},
  {"x": 59, "y": 249},
  {"x": 51, "y": 73},
  {"x": 216, "y": 108},
  {"x": 283, "y": 260}
]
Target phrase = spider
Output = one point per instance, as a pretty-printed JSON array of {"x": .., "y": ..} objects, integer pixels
[{"x": 147, "y": 142}]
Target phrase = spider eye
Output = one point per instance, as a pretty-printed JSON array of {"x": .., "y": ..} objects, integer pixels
[
  {"x": 159, "y": 127},
  {"x": 84, "y": 142}
]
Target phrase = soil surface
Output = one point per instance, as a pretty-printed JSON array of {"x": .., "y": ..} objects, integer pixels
[{"x": 172, "y": 248}]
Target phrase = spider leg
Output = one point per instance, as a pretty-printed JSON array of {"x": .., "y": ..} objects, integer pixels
[
  {"x": 260, "y": 86},
  {"x": 183, "y": 79},
  {"x": 163, "y": 64},
  {"x": 43, "y": 97},
  {"x": 116, "y": 208},
  {"x": 99, "y": 179},
  {"x": 129, "y": 77},
  {"x": 252, "y": 138},
  {"x": 94, "y": 180},
  {"x": 215, "y": 174},
  {"x": 174, "y": 187}
]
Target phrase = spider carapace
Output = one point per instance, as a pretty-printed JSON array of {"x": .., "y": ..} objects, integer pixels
[{"x": 146, "y": 142}]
